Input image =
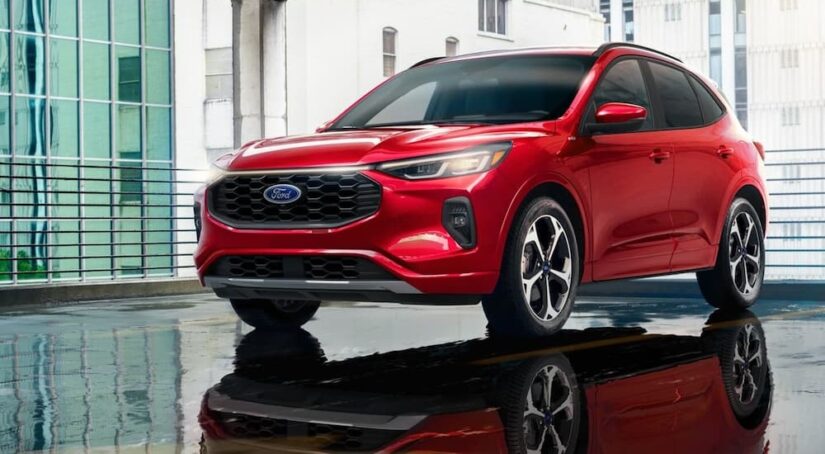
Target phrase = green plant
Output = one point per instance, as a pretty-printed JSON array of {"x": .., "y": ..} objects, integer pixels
[{"x": 27, "y": 267}]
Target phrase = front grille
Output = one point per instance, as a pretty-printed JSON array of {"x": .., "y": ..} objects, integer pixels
[
  {"x": 327, "y": 200},
  {"x": 328, "y": 437},
  {"x": 298, "y": 267}
]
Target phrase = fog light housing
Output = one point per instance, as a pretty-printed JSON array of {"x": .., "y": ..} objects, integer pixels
[{"x": 457, "y": 218}]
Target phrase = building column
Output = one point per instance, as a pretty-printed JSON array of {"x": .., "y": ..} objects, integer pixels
[
  {"x": 259, "y": 69},
  {"x": 274, "y": 67},
  {"x": 728, "y": 51},
  {"x": 616, "y": 21},
  {"x": 246, "y": 70}
]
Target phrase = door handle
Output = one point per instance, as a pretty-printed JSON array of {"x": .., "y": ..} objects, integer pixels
[
  {"x": 725, "y": 152},
  {"x": 659, "y": 155}
]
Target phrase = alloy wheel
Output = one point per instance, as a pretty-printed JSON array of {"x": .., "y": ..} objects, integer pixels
[
  {"x": 747, "y": 362},
  {"x": 549, "y": 412},
  {"x": 745, "y": 253},
  {"x": 546, "y": 268}
]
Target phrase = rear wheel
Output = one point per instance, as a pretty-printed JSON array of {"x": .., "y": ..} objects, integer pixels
[
  {"x": 539, "y": 275},
  {"x": 735, "y": 281},
  {"x": 736, "y": 337},
  {"x": 261, "y": 313}
]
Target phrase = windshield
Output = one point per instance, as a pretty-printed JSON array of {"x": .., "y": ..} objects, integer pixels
[{"x": 492, "y": 90}]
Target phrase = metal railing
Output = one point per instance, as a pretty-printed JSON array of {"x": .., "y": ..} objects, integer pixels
[
  {"x": 796, "y": 237},
  {"x": 63, "y": 221}
]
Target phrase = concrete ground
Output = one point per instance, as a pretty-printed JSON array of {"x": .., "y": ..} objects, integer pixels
[{"x": 132, "y": 373}]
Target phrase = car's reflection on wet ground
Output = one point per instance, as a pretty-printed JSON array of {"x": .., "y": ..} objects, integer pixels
[
  {"x": 182, "y": 375},
  {"x": 593, "y": 390}
]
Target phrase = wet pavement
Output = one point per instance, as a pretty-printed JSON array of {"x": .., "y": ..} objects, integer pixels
[{"x": 183, "y": 375}]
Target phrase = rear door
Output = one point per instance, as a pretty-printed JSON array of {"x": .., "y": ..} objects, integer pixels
[
  {"x": 704, "y": 154},
  {"x": 631, "y": 175}
]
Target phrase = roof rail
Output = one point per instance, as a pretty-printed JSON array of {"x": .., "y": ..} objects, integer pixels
[
  {"x": 426, "y": 60},
  {"x": 607, "y": 46}
]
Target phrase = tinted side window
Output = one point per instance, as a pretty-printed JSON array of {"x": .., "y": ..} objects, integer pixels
[
  {"x": 711, "y": 110},
  {"x": 678, "y": 99},
  {"x": 623, "y": 83}
]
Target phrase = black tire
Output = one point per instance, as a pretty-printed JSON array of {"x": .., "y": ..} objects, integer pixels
[
  {"x": 737, "y": 339},
  {"x": 278, "y": 354},
  {"x": 718, "y": 285},
  {"x": 266, "y": 314},
  {"x": 508, "y": 311},
  {"x": 564, "y": 419}
]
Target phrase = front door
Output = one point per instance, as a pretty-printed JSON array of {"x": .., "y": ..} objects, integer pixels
[{"x": 631, "y": 177}]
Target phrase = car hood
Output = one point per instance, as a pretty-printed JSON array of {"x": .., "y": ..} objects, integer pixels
[{"x": 347, "y": 148}]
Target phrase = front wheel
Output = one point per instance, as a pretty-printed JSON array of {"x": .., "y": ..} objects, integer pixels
[
  {"x": 261, "y": 313},
  {"x": 736, "y": 279},
  {"x": 539, "y": 274}
]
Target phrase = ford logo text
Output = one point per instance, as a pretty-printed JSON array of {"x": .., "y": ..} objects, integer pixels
[{"x": 282, "y": 194}]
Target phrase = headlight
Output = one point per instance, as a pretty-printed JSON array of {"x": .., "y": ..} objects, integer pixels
[
  {"x": 475, "y": 160},
  {"x": 218, "y": 168}
]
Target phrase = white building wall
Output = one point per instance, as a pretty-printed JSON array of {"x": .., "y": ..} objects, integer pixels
[
  {"x": 686, "y": 38},
  {"x": 326, "y": 74},
  {"x": 797, "y": 88}
]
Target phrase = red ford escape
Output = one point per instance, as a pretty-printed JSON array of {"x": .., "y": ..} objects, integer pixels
[{"x": 509, "y": 177}]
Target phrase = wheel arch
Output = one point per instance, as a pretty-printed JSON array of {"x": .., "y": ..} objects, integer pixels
[
  {"x": 750, "y": 193},
  {"x": 572, "y": 207}
]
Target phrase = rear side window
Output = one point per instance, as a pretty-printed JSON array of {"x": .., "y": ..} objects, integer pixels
[
  {"x": 623, "y": 83},
  {"x": 679, "y": 102},
  {"x": 711, "y": 110}
]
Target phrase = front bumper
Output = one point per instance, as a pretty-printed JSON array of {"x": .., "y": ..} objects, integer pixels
[{"x": 406, "y": 237}]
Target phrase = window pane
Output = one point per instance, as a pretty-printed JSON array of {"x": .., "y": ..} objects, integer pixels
[
  {"x": 451, "y": 47},
  {"x": 159, "y": 133},
  {"x": 389, "y": 41},
  {"x": 97, "y": 232},
  {"x": 64, "y": 68},
  {"x": 96, "y": 19},
  {"x": 389, "y": 65},
  {"x": 95, "y": 71},
  {"x": 4, "y": 62},
  {"x": 490, "y": 17},
  {"x": 28, "y": 15},
  {"x": 481, "y": 15},
  {"x": 63, "y": 17},
  {"x": 127, "y": 21},
  {"x": 127, "y": 74},
  {"x": 30, "y": 126},
  {"x": 623, "y": 83},
  {"x": 157, "y": 23},
  {"x": 64, "y": 137},
  {"x": 4, "y": 13},
  {"x": 710, "y": 107},
  {"x": 5, "y": 125},
  {"x": 502, "y": 17},
  {"x": 157, "y": 77},
  {"x": 30, "y": 73},
  {"x": 128, "y": 132},
  {"x": 96, "y": 130},
  {"x": 679, "y": 102}
]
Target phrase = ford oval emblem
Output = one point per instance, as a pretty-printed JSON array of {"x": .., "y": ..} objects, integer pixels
[{"x": 282, "y": 194}]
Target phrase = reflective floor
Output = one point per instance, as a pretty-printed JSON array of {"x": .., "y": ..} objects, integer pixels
[{"x": 183, "y": 375}]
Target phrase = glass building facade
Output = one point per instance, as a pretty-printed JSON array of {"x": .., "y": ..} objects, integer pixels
[{"x": 86, "y": 151}]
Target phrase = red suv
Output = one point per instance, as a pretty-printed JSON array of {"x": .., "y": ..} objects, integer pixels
[{"x": 509, "y": 177}]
